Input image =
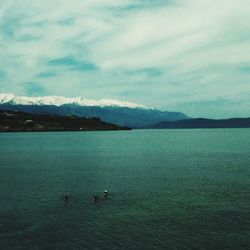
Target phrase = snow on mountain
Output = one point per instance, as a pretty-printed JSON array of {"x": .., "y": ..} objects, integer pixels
[{"x": 59, "y": 101}]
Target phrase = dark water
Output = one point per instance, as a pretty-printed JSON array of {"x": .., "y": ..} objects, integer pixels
[{"x": 169, "y": 189}]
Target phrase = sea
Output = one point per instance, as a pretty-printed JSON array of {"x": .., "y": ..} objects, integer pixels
[{"x": 167, "y": 189}]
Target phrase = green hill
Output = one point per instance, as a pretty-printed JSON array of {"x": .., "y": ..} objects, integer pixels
[{"x": 11, "y": 121}]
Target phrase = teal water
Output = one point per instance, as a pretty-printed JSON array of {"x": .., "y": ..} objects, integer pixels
[{"x": 169, "y": 189}]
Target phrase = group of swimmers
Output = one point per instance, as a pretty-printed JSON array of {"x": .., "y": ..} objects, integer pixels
[{"x": 95, "y": 197}]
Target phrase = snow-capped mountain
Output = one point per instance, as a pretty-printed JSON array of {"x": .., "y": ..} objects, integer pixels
[
  {"x": 59, "y": 101},
  {"x": 120, "y": 113}
]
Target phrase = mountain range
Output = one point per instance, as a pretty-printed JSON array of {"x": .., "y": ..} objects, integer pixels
[
  {"x": 202, "y": 123},
  {"x": 111, "y": 111}
]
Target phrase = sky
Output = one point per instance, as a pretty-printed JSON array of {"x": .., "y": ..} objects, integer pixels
[{"x": 191, "y": 56}]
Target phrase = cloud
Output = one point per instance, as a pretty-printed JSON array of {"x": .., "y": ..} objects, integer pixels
[
  {"x": 2, "y": 74},
  {"x": 191, "y": 56},
  {"x": 73, "y": 63},
  {"x": 46, "y": 74},
  {"x": 66, "y": 21},
  {"x": 34, "y": 88}
]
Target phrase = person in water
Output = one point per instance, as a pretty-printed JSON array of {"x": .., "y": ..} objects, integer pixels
[
  {"x": 95, "y": 198},
  {"x": 105, "y": 194},
  {"x": 66, "y": 197}
]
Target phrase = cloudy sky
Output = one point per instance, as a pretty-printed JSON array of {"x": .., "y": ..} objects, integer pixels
[{"x": 178, "y": 55}]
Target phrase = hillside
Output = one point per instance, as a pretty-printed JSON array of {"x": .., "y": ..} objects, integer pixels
[
  {"x": 111, "y": 111},
  {"x": 11, "y": 121}
]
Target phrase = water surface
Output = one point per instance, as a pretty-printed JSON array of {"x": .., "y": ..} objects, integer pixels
[{"x": 169, "y": 189}]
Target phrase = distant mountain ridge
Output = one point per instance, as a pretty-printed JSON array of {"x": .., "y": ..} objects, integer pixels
[
  {"x": 202, "y": 123},
  {"x": 116, "y": 112},
  {"x": 60, "y": 100}
]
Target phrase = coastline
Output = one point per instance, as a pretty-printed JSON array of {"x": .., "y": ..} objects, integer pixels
[{"x": 11, "y": 121}]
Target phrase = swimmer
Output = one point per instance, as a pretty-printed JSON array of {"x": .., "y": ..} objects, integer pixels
[
  {"x": 95, "y": 198},
  {"x": 105, "y": 194},
  {"x": 66, "y": 197}
]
